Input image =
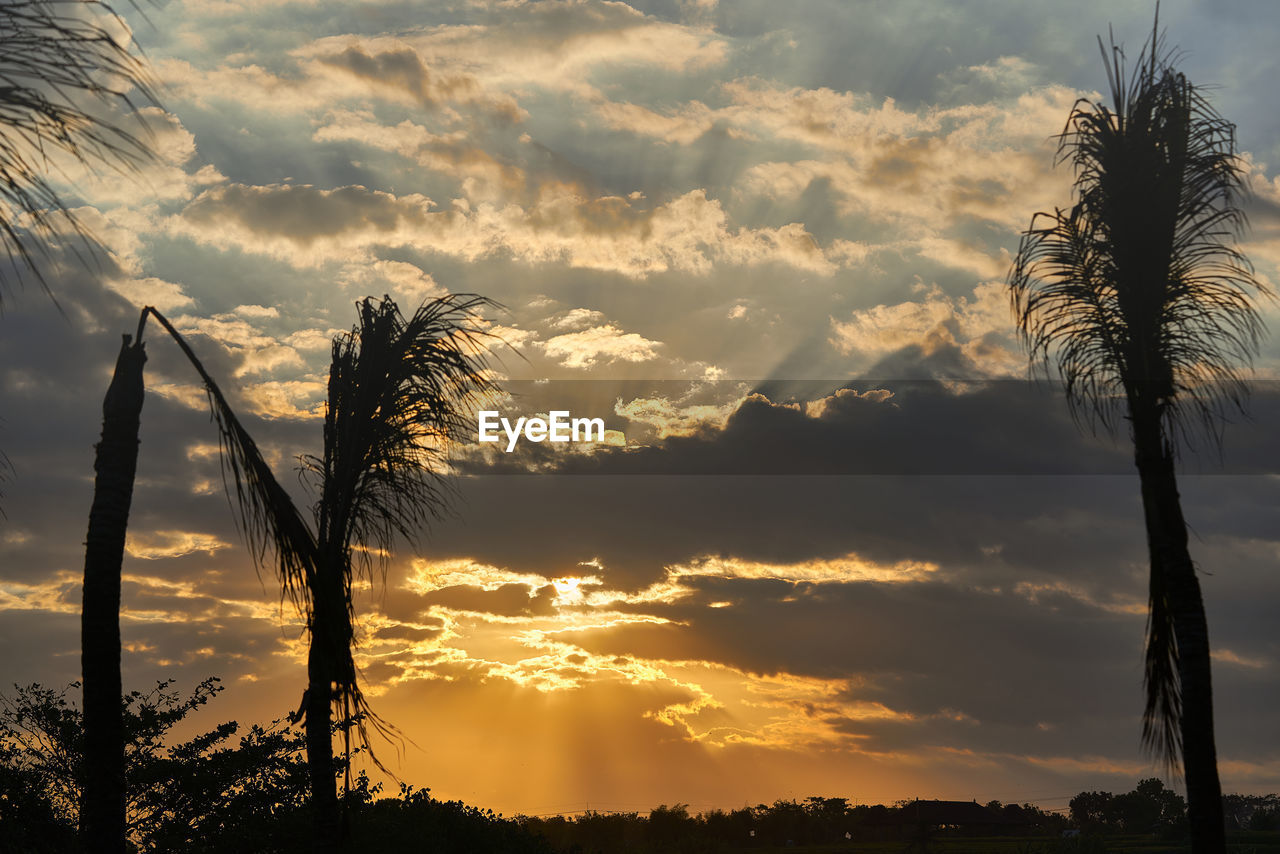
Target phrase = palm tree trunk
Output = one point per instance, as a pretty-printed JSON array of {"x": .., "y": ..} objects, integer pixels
[
  {"x": 326, "y": 824},
  {"x": 102, "y": 812},
  {"x": 1167, "y": 543}
]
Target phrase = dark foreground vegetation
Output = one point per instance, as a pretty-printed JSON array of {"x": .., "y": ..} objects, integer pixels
[{"x": 247, "y": 790}]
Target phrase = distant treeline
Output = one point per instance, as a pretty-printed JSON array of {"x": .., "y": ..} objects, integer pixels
[
  {"x": 785, "y": 823},
  {"x": 238, "y": 790}
]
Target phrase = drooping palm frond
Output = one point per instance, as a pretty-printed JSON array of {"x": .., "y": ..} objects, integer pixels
[
  {"x": 270, "y": 522},
  {"x": 1161, "y": 679},
  {"x": 1139, "y": 296},
  {"x": 67, "y": 72}
]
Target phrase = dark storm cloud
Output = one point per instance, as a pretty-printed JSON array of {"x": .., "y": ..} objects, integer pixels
[{"x": 895, "y": 427}]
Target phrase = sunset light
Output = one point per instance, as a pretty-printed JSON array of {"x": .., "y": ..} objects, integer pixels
[{"x": 576, "y": 407}]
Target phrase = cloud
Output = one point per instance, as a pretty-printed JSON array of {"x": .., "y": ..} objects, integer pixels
[
  {"x": 599, "y": 345},
  {"x": 561, "y": 45},
  {"x": 395, "y": 69},
  {"x": 330, "y": 72},
  {"x": 292, "y": 399},
  {"x": 164, "y": 177},
  {"x": 480, "y": 174},
  {"x": 677, "y": 418},
  {"x": 978, "y": 326},
  {"x": 156, "y": 545},
  {"x": 406, "y": 281},
  {"x": 904, "y": 427},
  {"x": 166, "y": 296},
  {"x": 578, "y": 318},
  {"x": 918, "y": 171},
  {"x": 308, "y": 226}
]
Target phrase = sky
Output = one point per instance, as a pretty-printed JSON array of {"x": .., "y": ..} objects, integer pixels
[{"x": 833, "y": 543}]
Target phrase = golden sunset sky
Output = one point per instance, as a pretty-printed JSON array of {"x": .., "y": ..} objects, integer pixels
[{"x": 833, "y": 544}]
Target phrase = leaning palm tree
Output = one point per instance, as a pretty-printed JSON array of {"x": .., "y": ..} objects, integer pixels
[
  {"x": 400, "y": 393},
  {"x": 68, "y": 77},
  {"x": 1140, "y": 297}
]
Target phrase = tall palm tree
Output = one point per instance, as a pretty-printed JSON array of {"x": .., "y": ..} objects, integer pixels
[
  {"x": 1140, "y": 297},
  {"x": 400, "y": 392},
  {"x": 65, "y": 72},
  {"x": 102, "y": 808}
]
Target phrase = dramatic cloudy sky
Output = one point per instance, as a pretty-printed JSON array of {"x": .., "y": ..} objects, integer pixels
[{"x": 832, "y": 544}]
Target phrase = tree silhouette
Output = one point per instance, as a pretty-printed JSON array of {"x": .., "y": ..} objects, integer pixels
[
  {"x": 66, "y": 74},
  {"x": 1141, "y": 299},
  {"x": 102, "y": 813},
  {"x": 399, "y": 393}
]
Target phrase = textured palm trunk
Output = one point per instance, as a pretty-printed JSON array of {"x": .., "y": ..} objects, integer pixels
[
  {"x": 321, "y": 664},
  {"x": 102, "y": 811},
  {"x": 1167, "y": 542}
]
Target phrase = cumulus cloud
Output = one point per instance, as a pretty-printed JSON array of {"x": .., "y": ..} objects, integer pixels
[
  {"x": 308, "y": 226},
  {"x": 578, "y": 318},
  {"x": 166, "y": 296},
  {"x": 409, "y": 283},
  {"x": 600, "y": 344},
  {"x": 919, "y": 171},
  {"x": 395, "y": 69},
  {"x": 978, "y": 326},
  {"x": 677, "y": 417},
  {"x": 171, "y": 174}
]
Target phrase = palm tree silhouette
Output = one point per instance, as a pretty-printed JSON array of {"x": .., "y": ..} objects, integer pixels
[
  {"x": 400, "y": 393},
  {"x": 400, "y": 390},
  {"x": 1141, "y": 299},
  {"x": 64, "y": 73}
]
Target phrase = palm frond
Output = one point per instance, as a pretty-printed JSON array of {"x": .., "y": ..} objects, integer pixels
[
  {"x": 401, "y": 391},
  {"x": 270, "y": 522},
  {"x": 63, "y": 73},
  {"x": 1141, "y": 288},
  {"x": 1161, "y": 733}
]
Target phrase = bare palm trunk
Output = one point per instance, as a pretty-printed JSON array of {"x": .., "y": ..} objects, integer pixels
[
  {"x": 1170, "y": 557},
  {"x": 102, "y": 812},
  {"x": 328, "y": 614},
  {"x": 324, "y": 799}
]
